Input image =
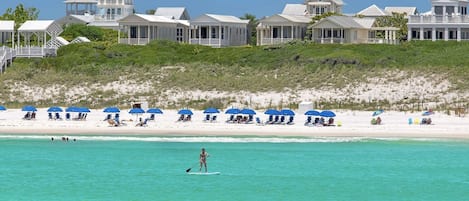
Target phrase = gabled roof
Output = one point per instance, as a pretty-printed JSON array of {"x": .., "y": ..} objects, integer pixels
[
  {"x": 61, "y": 40},
  {"x": 177, "y": 13},
  {"x": 294, "y": 9},
  {"x": 343, "y": 22},
  {"x": 401, "y": 10},
  {"x": 284, "y": 19},
  {"x": 7, "y": 25},
  {"x": 219, "y": 19},
  {"x": 36, "y": 25},
  {"x": 338, "y": 2},
  {"x": 147, "y": 18},
  {"x": 372, "y": 11}
]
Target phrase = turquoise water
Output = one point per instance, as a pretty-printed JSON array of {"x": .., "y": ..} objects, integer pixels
[{"x": 113, "y": 168}]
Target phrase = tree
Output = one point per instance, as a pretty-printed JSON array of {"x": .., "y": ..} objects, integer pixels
[
  {"x": 252, "y": 25},
  {"x": 20, "y": 15},
  {"x": 75, "y": 30},
  {"x": 397, "y": 20},
  {"x": 150, "y": 12}
]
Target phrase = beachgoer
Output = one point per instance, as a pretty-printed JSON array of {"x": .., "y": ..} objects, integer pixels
[
  {"x": 203, "y": 159},
  {"x": 378, "y": 121}
]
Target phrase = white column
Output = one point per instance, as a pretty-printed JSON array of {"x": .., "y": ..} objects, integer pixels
[
  {"x": 332, "y": 35},
  {"x": 219, "y": 34},
  {"x": 281, "y": 34},
  {"x": 433, "y": 34},
  {"x": 409, "y": 34},
  {"x": 148, "y": 34},
  {"x": 271, "y": 35},
  {"x": 459, "y": 34},
  {"x": 456, "y": 10},
  {"x": 421, "y": 33},
  {"x": 446, "y": 34},
  {"x": 200, "y": 34},
  {"x": 138, "y": 34}
]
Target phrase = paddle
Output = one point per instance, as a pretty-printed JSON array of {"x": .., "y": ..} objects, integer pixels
[{"x": 188, "y": 170}]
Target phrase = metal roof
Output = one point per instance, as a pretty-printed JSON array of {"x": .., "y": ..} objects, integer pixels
[
  {"x": 177, "y": 13},
  {"x": 7, "y": 25},
  {"x": 227, "y": 18},
  {"x": 372, "y": 11},
  {"x": 294, "y": 9},
  {"x": 36, "y": 25},
  {"x": 154, "y": 18}
]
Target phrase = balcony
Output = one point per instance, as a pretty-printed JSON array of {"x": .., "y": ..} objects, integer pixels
[
  {"x": 214, "y": 42},
  {"x": 449, "y": 19}
]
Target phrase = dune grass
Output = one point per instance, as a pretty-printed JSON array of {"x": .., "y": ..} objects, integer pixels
[{"x": 296, "y": 65}]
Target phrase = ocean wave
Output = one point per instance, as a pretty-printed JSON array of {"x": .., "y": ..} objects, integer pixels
[{"x": 217, "y": 139}]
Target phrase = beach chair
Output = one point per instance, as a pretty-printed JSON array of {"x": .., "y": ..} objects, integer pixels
[
  {"x": 108, "y": 116},
  {"x": 181, "y": 118},
  {"x": 259, "y": 122},
  {"x": 250, "y": 119},
  {"x": 290, "y": 120},
  {"x": 308, "y": 121},
  {"x": 276, "y": 120},
  {"x": 282, "y": 120},
  {"x": 214, "y": 119},
  {"x": 410, "y": 121},
  {"x": 142, "y": 123},
  {"x": 57, "y": 116},
  {"x": 271, "y": 120},
  {"x": 67, "y": 116},
  {"x": 50, "y": 116},
  {"x": 207, "y": 118},
  {"x": 231, "y": 119},
  {"x": 152, "y": 117}
]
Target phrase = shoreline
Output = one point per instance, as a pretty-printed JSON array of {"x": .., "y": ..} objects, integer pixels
[{"x": 354, "y": 124}]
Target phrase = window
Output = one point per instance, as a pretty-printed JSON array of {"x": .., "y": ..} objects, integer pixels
[
  {"x": 214, "y": 33},
  {"x": 179, "y": 35}
]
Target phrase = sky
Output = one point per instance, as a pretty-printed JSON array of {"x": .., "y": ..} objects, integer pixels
[{"x": 55, "y": 9}]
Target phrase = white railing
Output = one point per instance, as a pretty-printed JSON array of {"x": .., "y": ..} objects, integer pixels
[
  {"x": 423, "y": 19},
  {"x": 134, "y": 41},
  {"x": 275, "y": 41},
  {"x": 214, "y": 42},
  {"x": 33, "y": 51},
  {"x": 329, "y": 40},
  {"x": 6, "y": 57}
]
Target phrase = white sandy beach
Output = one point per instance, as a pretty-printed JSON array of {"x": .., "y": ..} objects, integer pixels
[{"x": 354, "y": 124}]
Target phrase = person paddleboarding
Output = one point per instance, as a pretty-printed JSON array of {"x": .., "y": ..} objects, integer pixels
[{"x": 203, "y": 160}]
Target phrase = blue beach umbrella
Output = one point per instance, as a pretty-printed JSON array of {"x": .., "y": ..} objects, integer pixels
[
  {"x": 378, "y": 112},
  {"x": 55, "y": 109},
  {"x": 136, "y": 111},
  {"x": 312, "y": 113},
  {"x": 427, "y": 113},
  {"x": 29, "y": 108},
  {"x": 2, "y": 108},
  {"x": 112, "y": 110},
  {"x": 287, "y": 112},
  {"x": 211, "y": 111},
  {"x": 154, "y": 111},
  {"x": 83, "y": 109},
  {"x": 248, "y": 111},
  {"x": 327, "y": 113},
  {"x": 272, "y": 112},
  {"x": 185, "y": 112},
  {"x": 232, "y": 111},
  {"x": 72, "y": 109}
]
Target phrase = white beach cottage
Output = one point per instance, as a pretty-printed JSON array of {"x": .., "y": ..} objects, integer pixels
[
  {"x": 218, "y": 31},
  {"x": 166, "y": 24},
  {"x": 447, "y": 20},
  {"x": 281, "y": 28},
  {"x": 101, "y": 13}
]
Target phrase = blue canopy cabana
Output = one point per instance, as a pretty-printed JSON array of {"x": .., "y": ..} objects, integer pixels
[
  {"x": 29, "y": 108},
  {"x": 55, "y": 109},
  {"x": 112, "y": 110}
]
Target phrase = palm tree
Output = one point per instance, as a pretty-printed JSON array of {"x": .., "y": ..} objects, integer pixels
[{"x": 252, "y": 32}]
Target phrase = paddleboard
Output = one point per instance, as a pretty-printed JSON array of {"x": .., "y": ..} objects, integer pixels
[{"x": 203, "y": 173}]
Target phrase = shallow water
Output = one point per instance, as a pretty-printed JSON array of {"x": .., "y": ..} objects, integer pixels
[{"x": 153, "y": 168}]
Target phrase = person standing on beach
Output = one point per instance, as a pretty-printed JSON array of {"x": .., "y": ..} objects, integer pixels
[{"x": 203, "y": 159}]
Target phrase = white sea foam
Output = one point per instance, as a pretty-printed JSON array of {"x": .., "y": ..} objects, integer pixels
[{"x": 216, "y": 139}]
